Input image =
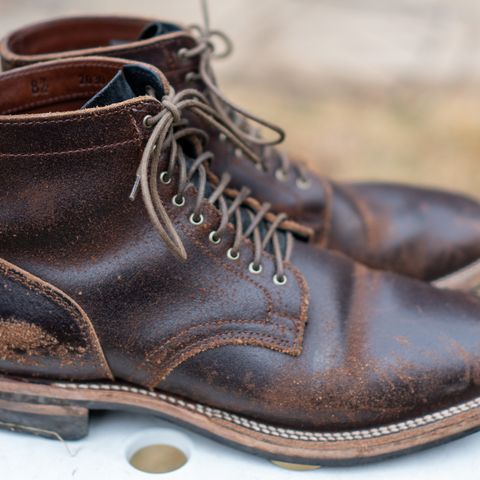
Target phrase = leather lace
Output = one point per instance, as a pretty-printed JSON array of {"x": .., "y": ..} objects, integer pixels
[
  {"x": 237, "y": 118},
  {"x": 168, "y": 129}
]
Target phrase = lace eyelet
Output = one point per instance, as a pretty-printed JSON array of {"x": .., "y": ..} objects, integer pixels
[
  {"x": 196, "y": 221},
  {"x": 213, "y": 238},
  {"x": 178, "y": 201},
  {"x": 238, "y": 153},
  {"x": 255, "y": 269},
  {"x": 231, "y": 255},
  {"x": 146, "y": 121},
  {"x": 222, "y": 137},
  {"x": 280, "y": 280},
  {"x": 165, "y": 178},
  {"x": 303, "y": 183},
  {"x": 182, "y": 53},
  {"x": 281, "y": 175}
]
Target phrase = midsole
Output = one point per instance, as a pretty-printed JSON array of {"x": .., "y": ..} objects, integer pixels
[{"x": 254, "y": 426}]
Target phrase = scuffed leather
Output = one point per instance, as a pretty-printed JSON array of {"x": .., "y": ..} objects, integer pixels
[
  {"x": 99, "y": 247},
  {"x": 45, "y": 333},
  {"x": 339, "y": 346},
  {"x": 418, "y": 232}
]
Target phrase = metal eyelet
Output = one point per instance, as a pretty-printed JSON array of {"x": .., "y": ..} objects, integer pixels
[
  {"x": 178, "y": 201},
  {"x": 256, "y": 269},
  {"x": 196, "y": 221},
  {"x": 238, "y": 153},
  {"x": 165, "y": 178},
  {"x": 280, "y": 280},
  {"x": 259, "y": 166},
  {"x": 146, "y": 121},
  {"x": 281, "y": 175},
  {"x": 303, "y": 183},
  {"x": 213, "y": 237},
  {"x": 222, "y": 137},
  {"x": 231, "y": 255},
  {"x": 182, "y": 53}
]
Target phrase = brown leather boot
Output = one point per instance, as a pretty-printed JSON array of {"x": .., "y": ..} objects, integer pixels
[
  {"x": 132, "y": 278},
  {"x": 426, "y": 234}
]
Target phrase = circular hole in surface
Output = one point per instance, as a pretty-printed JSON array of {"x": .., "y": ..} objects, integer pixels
[
  {"x": 160, "y": 451},
  {"x": 158, "y": 459},
  {"x": 295, "y": 466}
]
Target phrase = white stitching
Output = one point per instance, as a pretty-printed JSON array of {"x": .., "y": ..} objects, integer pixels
[{"x": 282, "y": 432}]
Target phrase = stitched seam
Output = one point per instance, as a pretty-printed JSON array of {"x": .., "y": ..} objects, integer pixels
[
  {"x": 298, "y": 323},
  {"x": 233, "y": 335},
  {"x": 311, "y": 436},
  {"x": 62, "y": 302},
  {"x": 213, "y": 342},
  {"x": 49, "y": 100},
  {"x": 165, "y": 46},
  {"x": 47, "y": 69},
  {"x": 52, "y": 295},
  {"x": 70, "y": 152},
  {"x": 85, "y": 116}
]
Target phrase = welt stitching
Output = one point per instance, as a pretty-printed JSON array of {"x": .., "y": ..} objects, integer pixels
[
  {"x": 311, "y": 436},
  {"x": 69, "y": 152}
]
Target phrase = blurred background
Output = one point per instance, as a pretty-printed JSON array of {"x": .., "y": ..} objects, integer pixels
[{"x": 366, "y": 89}]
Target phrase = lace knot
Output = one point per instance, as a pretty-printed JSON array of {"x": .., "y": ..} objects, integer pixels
[{"x": 167, "y": 103}]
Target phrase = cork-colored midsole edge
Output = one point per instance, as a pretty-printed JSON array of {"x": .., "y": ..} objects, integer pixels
[
  {"x": 257, "y": 437},
  {"x": 467, "y": 278}
]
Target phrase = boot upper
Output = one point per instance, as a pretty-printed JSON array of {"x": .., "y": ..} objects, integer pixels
[{"x": 336, "y": 346}]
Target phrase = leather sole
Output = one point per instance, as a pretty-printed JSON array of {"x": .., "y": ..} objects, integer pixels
[
  {"x": 60, "y": 410},
  {"x": 467, "y": 279}
]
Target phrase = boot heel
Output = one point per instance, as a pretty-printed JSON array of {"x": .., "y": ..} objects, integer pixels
[{"x": 65, "y": 422}]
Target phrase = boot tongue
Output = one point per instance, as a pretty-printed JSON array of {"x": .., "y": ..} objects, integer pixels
[
  {"x": 155, "y": 29},
  {"x": 130, "y": 82}
]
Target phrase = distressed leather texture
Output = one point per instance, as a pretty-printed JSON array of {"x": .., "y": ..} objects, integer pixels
[
  {"x": 66, "y": 184},
  {"x": 338, "y": 346},
  {"x": 45, "y": 333},
  {"x": 418, "y": 232}
]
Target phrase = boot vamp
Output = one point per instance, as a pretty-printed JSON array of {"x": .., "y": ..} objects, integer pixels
[
  {"x": 378, "y": 348},
  {"x": 422, "y": 233}
]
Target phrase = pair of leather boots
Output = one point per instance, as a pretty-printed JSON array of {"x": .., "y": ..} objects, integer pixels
[{"x": 158, "y": 254}]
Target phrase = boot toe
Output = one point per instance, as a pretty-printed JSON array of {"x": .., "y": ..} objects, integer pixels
[{"x": 418, "y": 232}]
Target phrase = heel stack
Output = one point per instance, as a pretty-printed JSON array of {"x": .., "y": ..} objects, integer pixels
[{"x": 63, "y": 422}]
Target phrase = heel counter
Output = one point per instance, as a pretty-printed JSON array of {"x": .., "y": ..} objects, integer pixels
[{"x": 43, "y": 332}]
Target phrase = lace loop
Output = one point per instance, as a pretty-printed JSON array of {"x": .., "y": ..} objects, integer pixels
[{"x": 168, "y": 128}]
